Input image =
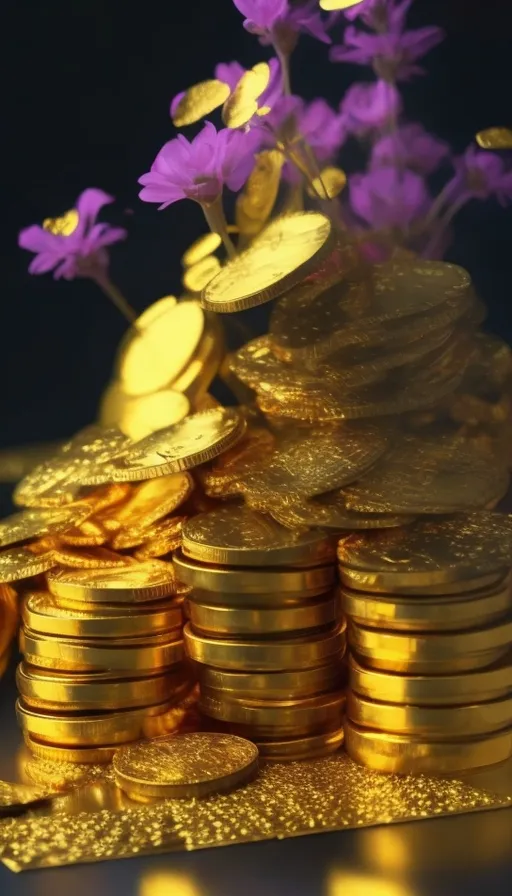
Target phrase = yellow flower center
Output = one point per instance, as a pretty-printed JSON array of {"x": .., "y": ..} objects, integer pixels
[{"x": 63, "y": 226}]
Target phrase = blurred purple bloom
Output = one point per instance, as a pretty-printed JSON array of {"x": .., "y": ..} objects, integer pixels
[
  {"x": 386, "y": 198},
  {"x": 480, "y": 175},
  {"x": 320, "y": 125},
  {"x": 392, "y": 55},
  {"x": 198, "y": 169},
  {"x": 368, "y": 106},
  {"x": 82, "y": 250},
  {"x": 276, "y": 22},
  {"x": 230, "y": 73},
  {"x": 381, "y": 15},
  {"x": 410, "y": 147}
]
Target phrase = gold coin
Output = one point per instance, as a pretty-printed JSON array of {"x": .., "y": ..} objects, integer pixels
[
  {"x": 138, "y": 417},
  {"x": 167, "y": 531},
  {"x": 236, "y": 536},
  {"x": 89, "y": 534},
  {"x": 187, "y": 444},
  {"x": 230, "y": 622},
  {"x": 98, "y": 730},
  {"x": 38, "y": 523},
  {"x": 57, "y": 481},
  {"x": 445, "y": 722},
  {"x": 282, "y": 586},
  {"x": 186, "y": 765},
  {"x": 432, "y": 653},
  {"x": 330, "y": 512},
  {"x": 313, "y": 746},
  {"x": 56, "y": 776},
  {"x": 267, "y": 716},
  {"x": 278, "y": 258},
  {"x": 106, "y": 497},
  {"x": 73, "y": 655},
  {"x": 78, "y": 755},
  {"x": 152, "y": 500},
  {"x": 265, "y": 656},
  {"x": 50, "y": 690},
  {"x": 161, "y": 545},
  {"x": 199, "y": 373},
  {"x": 90, "y": 558},
  {"x": 429, "y": 613},
  {"x": 41, "y": 613},
  {"x": 22, "y": 563},
  {"x": 139, "y": 583},
  {"x": 201, "y": 248},
  {"x": 274, "y": 685},
  {"x": 427, "y": 553},
  {"x": 402, "y": 755},
  {"x": 432, "y": 690}
]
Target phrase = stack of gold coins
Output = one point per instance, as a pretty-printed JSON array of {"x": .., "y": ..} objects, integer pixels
[
  {"x": 430, "y": 635},
  {"x": 265, "y": 630}
]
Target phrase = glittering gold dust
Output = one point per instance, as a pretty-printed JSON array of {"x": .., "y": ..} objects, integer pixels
[{"x": 286, "y": 800}]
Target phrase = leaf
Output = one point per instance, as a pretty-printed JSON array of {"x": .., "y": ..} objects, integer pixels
[
  {"x": 199, "y": 100},
  {"x": 254, "y": 206},
  {"x": 495, "y": 138},
  {"x": 330, "y": 5},
  {"x": 328, "y": 184},
  {"x": 240, "y": 107}
]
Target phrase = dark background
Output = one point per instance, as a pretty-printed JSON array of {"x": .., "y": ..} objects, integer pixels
[{"x": 87, "y": 86}]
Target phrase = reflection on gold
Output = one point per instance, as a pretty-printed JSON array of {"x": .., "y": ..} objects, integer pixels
[
  {"x": 168, "y": 883},
  {"x": 341, "y": 883}
]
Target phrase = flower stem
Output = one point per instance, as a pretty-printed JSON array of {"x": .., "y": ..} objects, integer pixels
[
  {"x": 284, "y": 61},
  {"x": 115, "y": 296},
  {"x": 216, "y": 220}
]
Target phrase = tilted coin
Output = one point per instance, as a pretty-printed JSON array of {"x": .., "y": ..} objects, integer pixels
[
  {"x": 81, "y": 755},
  {"x": 187, "y": 765},
  {"x": 32, "y": 523},
  {"x": 228, "y": 622},
  {"x": 278, "y": 685},
  {"x": 165, "y": 530},
  {"x": 152, "y": 500},
  {"x": 131, "y": 584},
  {"x": 138, "y": 417},
  {"x": 293, "y": 749},
  {"x": 236, "y": 536},
  {"x": 201, "y": 248},
  {"x": 22, "y": 563},
  {"x": 187, "y": 444},
  {"x": 139, "y": 655},
  {"x": 281, "y": 256},
  {"x": 431, "y": 721},
  {"x": 403, "y": 755},
  {"x": 428, "y": 553},
  {"x": 330, "y": 511},
  {"x": 302, "y": 716},
  {"x": 90, "y": 558},
  {"x": 167, "y": 539},
  {"x": 104, "y": 498},
  {"x": 88, "y": 534}
]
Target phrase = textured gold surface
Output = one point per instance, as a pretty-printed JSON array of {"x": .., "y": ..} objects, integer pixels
[
  {"x": 150, "y": 501},
  {"x": 93, "y": 730},
  {"x": 286, "y": 800},
  {"x": 144, "y": 655},
  {"x": 271, "y": 717},
  {"x": 281, "y": 685},
  {"x": 131, "y": 584},
  {"x": 22, "y": 563},
  {"x": 38, "y": 523},
  {"x": 330, "y": 511},
  {"x": 231, "y": 621},
  {"x": 95, "y": 558},
  {"x": 199, "y": 100}
]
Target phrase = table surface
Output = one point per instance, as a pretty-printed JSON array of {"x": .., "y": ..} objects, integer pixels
[{"x": 468, "y": 854}]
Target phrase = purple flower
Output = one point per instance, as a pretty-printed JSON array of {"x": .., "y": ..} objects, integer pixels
[
  {"x": 368, "y": 106},
  {"x": 392, "y": 55},
  {"x": 74, "y": 244},
  {"x": 198, "y": 169},
  {"x": 230, "y": 73},
  {"x": 388, "y": 198},
  {"x": 381, "y": 15},
  {"x": 480, "y": 175},
  {"x": 275, "y": 22},
  {"x": 410, "y": 147}
]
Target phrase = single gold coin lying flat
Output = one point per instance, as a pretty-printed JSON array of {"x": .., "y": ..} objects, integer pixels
[
  {"x": 312, "y": 746},
  {"x": 139, "y": 582},
  {"x": 187, "y": 765},
  {"x": 236, "y": 587},
  {"x": 236, "y": 536},
  {"x": 50, "y": 690},
  {"x": 429, "y": 612},
  {"x": 79, "y": 755},
  {"x": 41, "y": 613},
  {"x": 281, "y": 685},
  {"x": 492, "y": 683},
  {"x": 301, "y": 716},
  {"x": 268, "y": 655},
  {"x": 187, "y": 444},
  {"x": 444, "y": 722},
  {"x": 22, "y": 563},
  {"x": 280, "y": 257},
  {"x": 139, "y": 655},
  {"x": 102, "y": 729},
  {"x": 402, "y": 755},
  {"x": 427, "y": 553},
  {"x": 432, "y": 653},
  {"x": 230, "y": 622},
  {"x": 38, "y": 523}
]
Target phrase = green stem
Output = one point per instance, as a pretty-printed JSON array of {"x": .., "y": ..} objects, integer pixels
[
  {"x": 216, "y": 220},
  {"x": 284, "y": 61}
]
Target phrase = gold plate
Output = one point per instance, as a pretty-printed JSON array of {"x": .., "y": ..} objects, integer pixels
[
  {"x": 402, "y": 755},
  {"x": 88, "y": 730},
  {"x": 230, "y": 622},
  {"x": 194, "y": 441},
  {"x": 425, "y": 613},
  {"x": 139, "y": 655},
  {"x": 139, "y": 583},
  {"x": 293, "y": 749},
  {"x": 311, "y": 714},
  {"x": 432, "y": 690},
  {"x": 236, "y": 536},
  {"x": 278, "y": 258},
  {"x": 22, "y": 563},
  {"x": 38, "y": 523},
  {"x": 278, "y": 584},
  {"x": 427, "y": 553},
  {"x": 265, "y": 656},
  {"x": 54, "y": 753},
  {"x": 441, "y": 722},
  {"x": 274, "y": 685},
  {"x": 432, "y": 653},
  {"x": 186, "y": 765},
  {"x": 41, "y": 613},
  {"x": 51, "y": 690}
]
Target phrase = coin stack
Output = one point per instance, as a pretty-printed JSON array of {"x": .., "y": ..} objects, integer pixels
[
  {"x": 265, "y": 630},
  {"x": 430, "y": 633}
]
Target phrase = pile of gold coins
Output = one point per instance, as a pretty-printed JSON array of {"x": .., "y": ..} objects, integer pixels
[
  {"x": 265, "y": 631},
  {"x": 430, "y": 633}
]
